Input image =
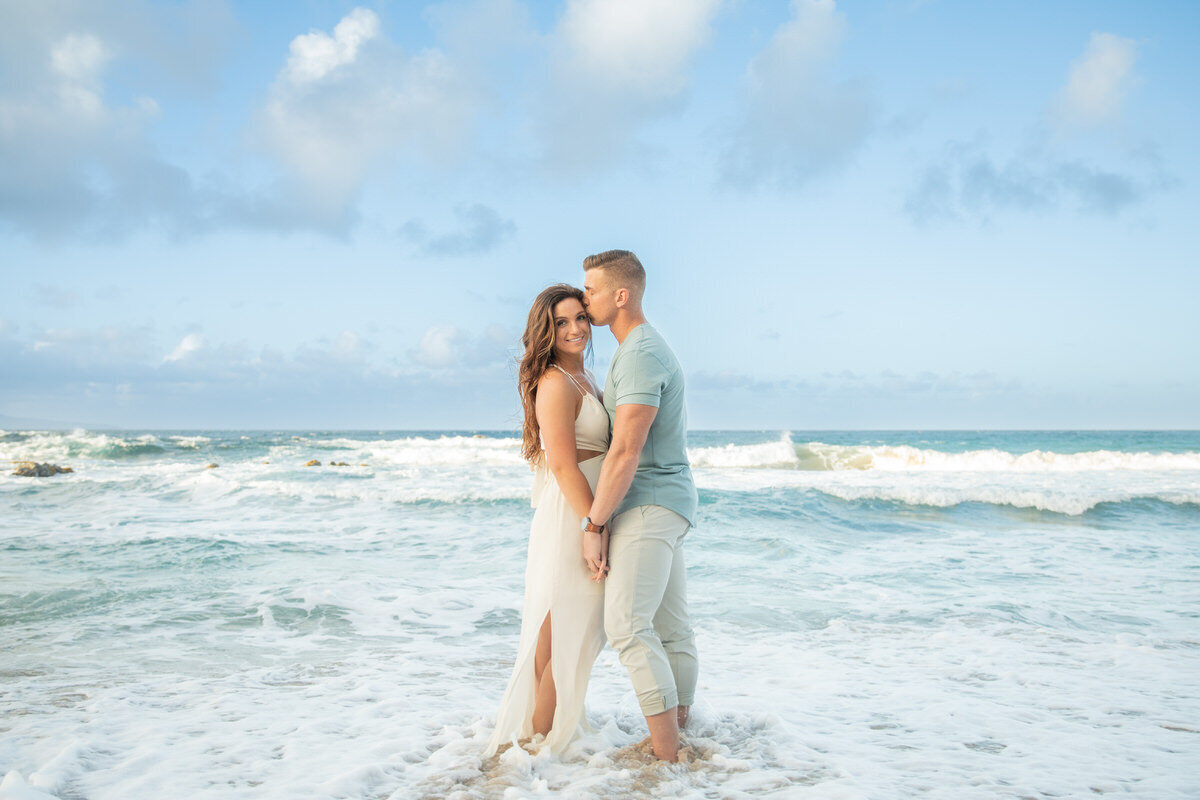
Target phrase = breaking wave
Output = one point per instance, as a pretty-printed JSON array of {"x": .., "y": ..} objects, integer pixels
[{"x": 818, "y": 456}]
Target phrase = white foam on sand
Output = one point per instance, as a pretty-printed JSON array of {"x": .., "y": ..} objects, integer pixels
[
  {"x": 15, "y": 787},
  {"x": 367, "y": 662}
]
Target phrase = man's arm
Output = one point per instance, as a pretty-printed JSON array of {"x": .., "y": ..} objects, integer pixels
[{"x": 629, "y": 436}]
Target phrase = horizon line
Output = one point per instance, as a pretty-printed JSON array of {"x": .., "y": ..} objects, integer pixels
[{"x": 319, "y": 429}]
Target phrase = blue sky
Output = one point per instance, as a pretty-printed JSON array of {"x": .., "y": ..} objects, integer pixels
[{"x": 853, "y": 215}]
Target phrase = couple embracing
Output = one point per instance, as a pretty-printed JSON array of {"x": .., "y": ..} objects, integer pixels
[{"x": 614, "y": 497}]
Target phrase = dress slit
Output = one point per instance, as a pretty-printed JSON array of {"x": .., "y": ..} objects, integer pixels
[{"x": 558, "y": 586}]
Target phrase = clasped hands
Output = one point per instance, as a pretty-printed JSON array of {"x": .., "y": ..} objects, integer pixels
[{"x": 595, "y": 553}]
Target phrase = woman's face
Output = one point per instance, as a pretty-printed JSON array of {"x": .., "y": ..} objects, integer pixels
[{"x": 571, "y": 327}]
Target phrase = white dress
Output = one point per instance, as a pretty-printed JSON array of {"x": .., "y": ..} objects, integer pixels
[{"x": 558, "y": 583}]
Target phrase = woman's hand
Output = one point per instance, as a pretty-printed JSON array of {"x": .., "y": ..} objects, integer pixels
[{"x": 595, "y": 553}]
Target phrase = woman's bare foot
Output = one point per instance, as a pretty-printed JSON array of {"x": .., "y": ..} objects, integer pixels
[{"x": 683, "y": 713}]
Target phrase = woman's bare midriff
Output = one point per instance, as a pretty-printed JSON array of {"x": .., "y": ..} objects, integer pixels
[{"x": 584, "y": 455}]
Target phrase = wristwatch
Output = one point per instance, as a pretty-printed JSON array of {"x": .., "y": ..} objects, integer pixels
[{"x": 590, "y": 526}]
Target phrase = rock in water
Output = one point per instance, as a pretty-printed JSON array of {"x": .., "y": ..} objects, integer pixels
[
  {"x": 212, "y": 466},
  {"x": 31, "y": 469},
  {"x": 313, "y": 463}
]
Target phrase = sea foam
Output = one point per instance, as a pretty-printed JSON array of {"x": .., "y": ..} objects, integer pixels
[
  {"x": 272, "y": 630},
  {"x": 257, "y": 470},
  {"x": 818, "y": 456}
]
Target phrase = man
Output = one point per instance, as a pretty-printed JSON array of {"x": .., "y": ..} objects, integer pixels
[{"x": 647, "y": 499}]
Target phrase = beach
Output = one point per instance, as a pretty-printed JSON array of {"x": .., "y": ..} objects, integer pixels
[{"x": 879, "y": 615}]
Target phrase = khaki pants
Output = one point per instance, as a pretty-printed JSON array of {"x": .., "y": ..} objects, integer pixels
[{"x": 645, "y": 607}]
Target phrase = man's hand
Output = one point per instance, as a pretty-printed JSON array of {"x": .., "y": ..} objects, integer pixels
[
  {"x": 593, "y": 552},
  {"x": 603, "y": 554}
]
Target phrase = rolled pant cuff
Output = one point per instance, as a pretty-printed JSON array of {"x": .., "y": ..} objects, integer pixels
[
  {"x": 686, "y": 700},
  {"x": 657, "y": 703}
]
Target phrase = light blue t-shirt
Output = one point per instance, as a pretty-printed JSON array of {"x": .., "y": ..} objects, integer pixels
[{"x": 644, "y": 371}]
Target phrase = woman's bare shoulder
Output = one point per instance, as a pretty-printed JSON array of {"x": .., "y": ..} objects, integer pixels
[
  {"x": 554, "y": 387},
  {"x": 556, "y": 403},
  {"x": 552, "y": 379}
]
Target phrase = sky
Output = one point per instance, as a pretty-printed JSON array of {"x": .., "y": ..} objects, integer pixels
[{"x": 853, "y": 215}]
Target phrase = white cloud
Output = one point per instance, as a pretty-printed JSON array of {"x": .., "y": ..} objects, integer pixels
[
  {"x": 497, "y": 344},
  {"x": 79, "y": 57},
  {"x": 178, "y": 43},
  {"x": 189, "y": 346},
  {"x": 76, "y": 162},
  {"x": 479, "y": 229},
  {"x": 797, "y": 121},
  {"x": 616, "y": 65},
  {"x": 79, "y": 162},
  {"x": 119, "y": 376},
  {"x": 966, "y": 183},
  {"x": 438, "y": 346},
  {"x": 1098, "y": 83},
  {"x": 444, "y": 346},
  {"x": 77, "y": 62},
  {"x": 348, "y": 347},
  {"x": 638, "y": 46},
  {"x": 315, "y": 54},
  {"x": 802, "y": 45},
  {"x": 345, "y": 104},
  {"x": 92, "y": 349}
]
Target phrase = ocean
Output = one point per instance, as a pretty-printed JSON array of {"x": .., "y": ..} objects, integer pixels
[{"x": 879, "y": 615}]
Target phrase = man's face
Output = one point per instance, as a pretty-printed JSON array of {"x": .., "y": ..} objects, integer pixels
[{"x": 598, "y": 297}]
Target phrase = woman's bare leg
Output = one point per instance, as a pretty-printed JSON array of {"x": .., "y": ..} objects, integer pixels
[{"x": 544, "y": 696}]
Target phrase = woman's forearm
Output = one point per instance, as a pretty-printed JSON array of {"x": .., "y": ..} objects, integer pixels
[{"x": 575, "y": 487}]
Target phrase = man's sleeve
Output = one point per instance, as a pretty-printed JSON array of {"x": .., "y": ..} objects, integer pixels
[{"x": 640, "y": 378}]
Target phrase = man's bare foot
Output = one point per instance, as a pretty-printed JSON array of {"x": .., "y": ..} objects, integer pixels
[
  {"x": 664, "y": 733},
  {"x": 680, "y": 749}
]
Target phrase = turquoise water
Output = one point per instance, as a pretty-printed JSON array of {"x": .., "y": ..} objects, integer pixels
[{"x": 880, "y": 615}]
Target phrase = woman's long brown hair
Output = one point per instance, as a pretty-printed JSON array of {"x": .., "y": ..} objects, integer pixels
[{"x": 539, "y": 356}]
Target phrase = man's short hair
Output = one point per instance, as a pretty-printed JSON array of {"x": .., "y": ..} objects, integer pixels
[{"x": 623, "y": 269}]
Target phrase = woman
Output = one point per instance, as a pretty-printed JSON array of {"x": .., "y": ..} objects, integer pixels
[{"x": 566, "y": 434}]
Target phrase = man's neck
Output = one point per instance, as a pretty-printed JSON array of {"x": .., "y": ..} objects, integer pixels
[{"x": 624, "y": 323}]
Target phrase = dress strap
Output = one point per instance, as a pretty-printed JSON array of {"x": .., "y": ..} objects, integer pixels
[{"x": 572, "y": 379}]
